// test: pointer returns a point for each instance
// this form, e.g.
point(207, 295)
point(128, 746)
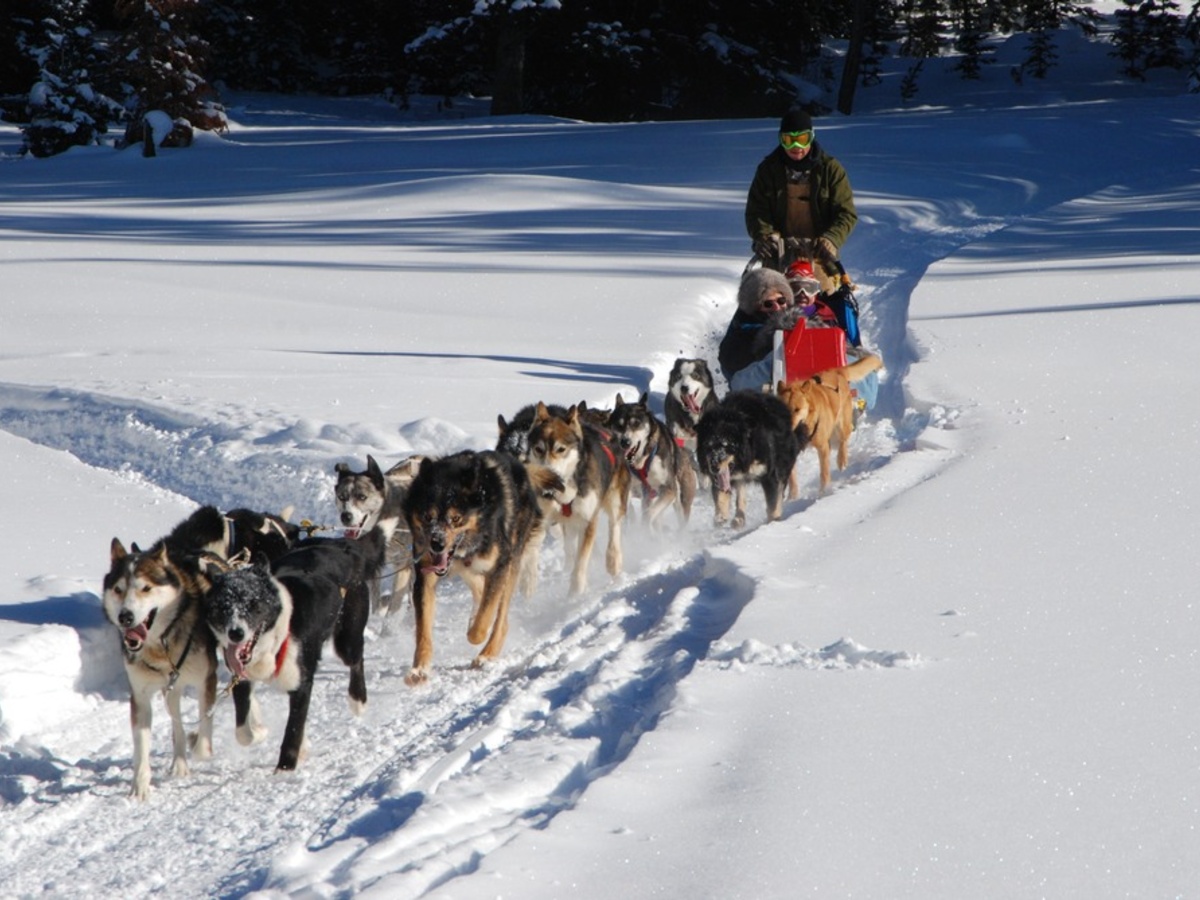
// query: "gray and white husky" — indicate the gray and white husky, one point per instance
point(363, 498)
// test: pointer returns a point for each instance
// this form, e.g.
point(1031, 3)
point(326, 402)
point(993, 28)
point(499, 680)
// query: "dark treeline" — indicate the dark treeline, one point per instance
point(72, 70)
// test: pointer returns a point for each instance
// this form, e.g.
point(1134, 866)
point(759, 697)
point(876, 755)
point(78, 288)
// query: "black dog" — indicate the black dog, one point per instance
point(271, 625)
point(747, 438)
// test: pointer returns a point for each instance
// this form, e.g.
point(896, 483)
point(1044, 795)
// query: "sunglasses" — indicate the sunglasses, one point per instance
point(773, 304)
point(796, 140)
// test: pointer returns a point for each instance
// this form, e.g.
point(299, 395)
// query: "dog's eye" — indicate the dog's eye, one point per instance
point(145, 588)
point(361, 498)
point(454, 520)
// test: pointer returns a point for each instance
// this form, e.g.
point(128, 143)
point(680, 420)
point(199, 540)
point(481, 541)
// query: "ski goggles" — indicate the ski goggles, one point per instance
point(796, 140)
point(810, 287)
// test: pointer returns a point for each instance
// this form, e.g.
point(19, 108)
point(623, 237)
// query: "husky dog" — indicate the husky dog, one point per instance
point(747, 438)
point(663, 467)
point(362, 499)
point(474, 515)
point(584, 459)
point(239, 531)
point(690, 394)
point(271, 624)
point(156, 599)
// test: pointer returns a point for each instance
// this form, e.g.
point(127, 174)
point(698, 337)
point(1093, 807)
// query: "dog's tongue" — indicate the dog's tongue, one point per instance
point(233, 659)
point(352, 533)
point(135, 637)
point(689, 400)
point(723, 480)
point(440, 564)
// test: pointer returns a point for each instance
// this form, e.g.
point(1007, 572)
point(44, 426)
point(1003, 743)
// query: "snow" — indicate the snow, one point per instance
point(965, 671)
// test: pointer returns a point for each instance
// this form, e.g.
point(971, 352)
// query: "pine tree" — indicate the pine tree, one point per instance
point(970, 40)
point(1191, 33)
point(159, 57)
point(66, 108)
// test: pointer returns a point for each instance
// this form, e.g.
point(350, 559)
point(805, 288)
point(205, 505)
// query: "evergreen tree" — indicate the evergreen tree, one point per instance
point(255, 45)
point(1191, 33)
point(967, 17)
point(158, 57)
point(66, 108)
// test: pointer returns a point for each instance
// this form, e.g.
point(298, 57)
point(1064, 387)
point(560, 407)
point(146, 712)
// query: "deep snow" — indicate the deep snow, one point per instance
point(966, 671)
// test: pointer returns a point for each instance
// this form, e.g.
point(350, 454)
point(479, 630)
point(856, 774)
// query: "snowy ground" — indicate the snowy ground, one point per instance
point(965, 672)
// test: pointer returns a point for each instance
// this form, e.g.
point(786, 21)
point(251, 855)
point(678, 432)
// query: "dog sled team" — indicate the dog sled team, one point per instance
point(253, 592)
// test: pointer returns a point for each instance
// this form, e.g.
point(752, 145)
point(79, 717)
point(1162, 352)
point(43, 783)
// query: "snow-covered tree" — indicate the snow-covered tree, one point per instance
point(66, 108)
point(159, 57)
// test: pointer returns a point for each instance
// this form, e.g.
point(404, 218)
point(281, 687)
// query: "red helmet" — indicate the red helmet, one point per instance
point(801, 268)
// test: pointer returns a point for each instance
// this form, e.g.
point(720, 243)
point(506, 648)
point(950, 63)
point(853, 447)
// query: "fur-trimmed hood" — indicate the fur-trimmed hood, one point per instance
point(758, 283)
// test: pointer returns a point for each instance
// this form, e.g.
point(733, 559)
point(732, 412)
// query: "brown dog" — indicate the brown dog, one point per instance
point(822, 409)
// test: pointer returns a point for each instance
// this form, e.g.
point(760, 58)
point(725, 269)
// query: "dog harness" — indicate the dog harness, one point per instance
point(643, 473)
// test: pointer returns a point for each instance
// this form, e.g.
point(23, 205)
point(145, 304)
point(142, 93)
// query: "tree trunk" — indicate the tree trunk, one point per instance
point(508, 87)
point(850, 70)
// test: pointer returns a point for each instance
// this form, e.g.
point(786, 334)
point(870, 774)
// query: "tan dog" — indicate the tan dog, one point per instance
point(822, 409)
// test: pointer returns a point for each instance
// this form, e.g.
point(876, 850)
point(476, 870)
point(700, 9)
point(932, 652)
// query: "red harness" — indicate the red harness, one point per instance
point(281, 655)
point(612, 461)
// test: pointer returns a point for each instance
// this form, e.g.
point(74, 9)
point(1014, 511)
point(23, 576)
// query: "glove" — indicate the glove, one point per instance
point(826, 252)
point(768, 247)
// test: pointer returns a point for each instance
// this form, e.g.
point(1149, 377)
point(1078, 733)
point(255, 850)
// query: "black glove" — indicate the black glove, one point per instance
point(767, 248)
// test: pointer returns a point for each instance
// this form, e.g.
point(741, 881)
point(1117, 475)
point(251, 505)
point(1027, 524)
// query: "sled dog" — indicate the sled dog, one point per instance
point(473, 515)
point(585, 459)
point(661, 466)
point(822, 410)
point(155, 598)
point(362, 499)
point(747, 438)
point(270, 624)
point(690, 394)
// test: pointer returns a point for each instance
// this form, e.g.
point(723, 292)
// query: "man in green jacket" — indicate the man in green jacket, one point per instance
point(799, 192)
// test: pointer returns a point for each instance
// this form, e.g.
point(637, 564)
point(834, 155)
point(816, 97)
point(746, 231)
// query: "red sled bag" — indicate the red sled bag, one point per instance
point(804, 351)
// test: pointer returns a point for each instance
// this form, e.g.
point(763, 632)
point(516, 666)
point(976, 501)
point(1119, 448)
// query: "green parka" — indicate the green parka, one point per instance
point(832, 200)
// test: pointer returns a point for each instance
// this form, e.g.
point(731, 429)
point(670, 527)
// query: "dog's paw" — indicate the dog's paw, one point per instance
point(357, 707)
point(248, 735)
point(180, 768)
point(416, 676)
point(141, 788)
point(200, 745)
point(739, 521)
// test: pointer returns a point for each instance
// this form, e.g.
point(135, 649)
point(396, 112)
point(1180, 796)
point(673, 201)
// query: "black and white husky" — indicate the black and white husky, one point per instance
point(363, 498)
point(690, 394)
point(659, 465)
point(270, 625)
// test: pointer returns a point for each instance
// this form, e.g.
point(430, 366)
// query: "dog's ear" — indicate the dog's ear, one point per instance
point(501, 424)
point(374, 472)
point(541, 414)
point(134, 548)
point(620, 401)
point(116, 550)
point(645, 400)
point(342, 469)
